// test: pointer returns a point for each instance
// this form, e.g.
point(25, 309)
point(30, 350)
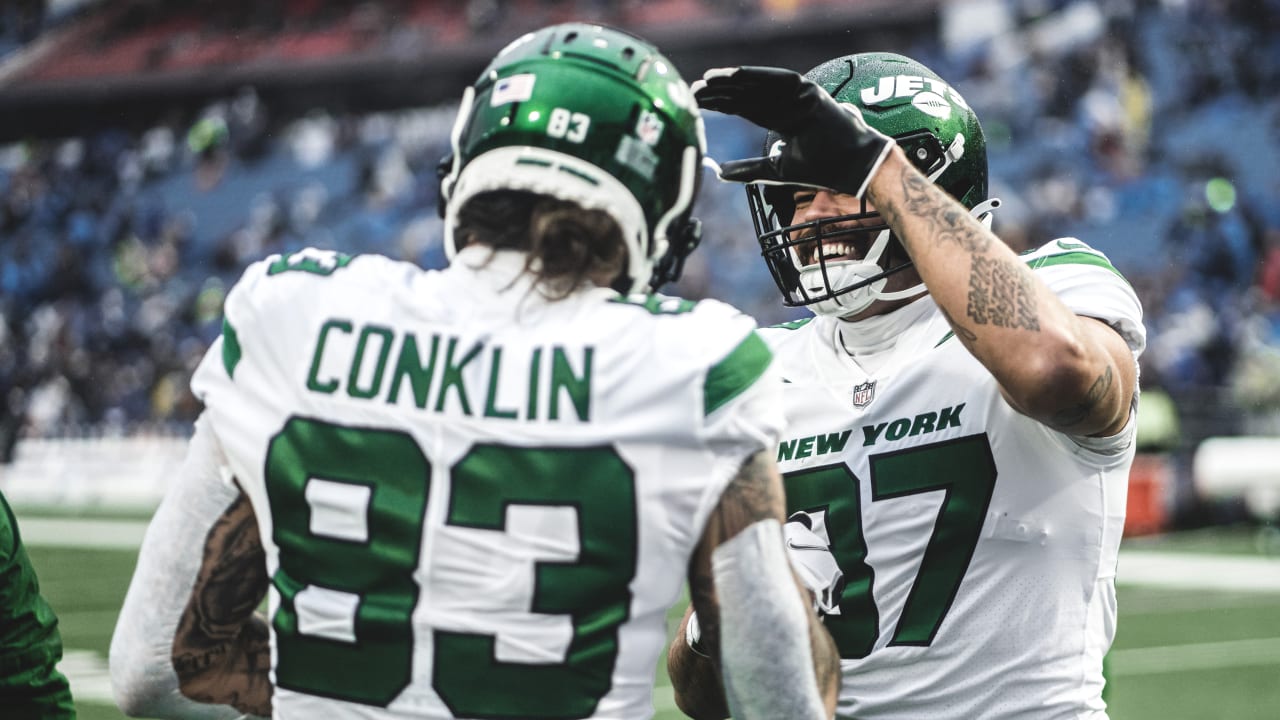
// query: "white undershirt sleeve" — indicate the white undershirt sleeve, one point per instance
point(142, 675)
point(765, 652)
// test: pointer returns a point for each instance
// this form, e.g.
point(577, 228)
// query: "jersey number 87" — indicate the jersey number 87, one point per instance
point(964, 469)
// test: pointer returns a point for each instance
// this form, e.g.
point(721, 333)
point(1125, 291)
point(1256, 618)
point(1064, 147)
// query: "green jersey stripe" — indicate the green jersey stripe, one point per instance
point(793, 324)
point(1073, 258)
point(230, 348)
point(728, 378)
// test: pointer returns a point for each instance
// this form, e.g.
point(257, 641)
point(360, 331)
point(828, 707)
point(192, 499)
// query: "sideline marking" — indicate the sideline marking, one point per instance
point(1190, 571)
point(90, 679)
point(1199, 571)
point(82, 533)
point(1194, 656)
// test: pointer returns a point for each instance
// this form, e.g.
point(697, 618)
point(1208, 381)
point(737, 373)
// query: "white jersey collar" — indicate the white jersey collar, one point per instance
point(489, 276)
point(496, 269)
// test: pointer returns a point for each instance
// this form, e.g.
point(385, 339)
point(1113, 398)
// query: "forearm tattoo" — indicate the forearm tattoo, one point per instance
point(947, 220)
point(1001, 294)
point(221, 651)
point(1068, 418)
point(961, 331)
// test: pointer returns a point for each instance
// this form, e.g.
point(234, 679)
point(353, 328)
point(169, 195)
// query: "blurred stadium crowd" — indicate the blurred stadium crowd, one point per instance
point(1150, 130)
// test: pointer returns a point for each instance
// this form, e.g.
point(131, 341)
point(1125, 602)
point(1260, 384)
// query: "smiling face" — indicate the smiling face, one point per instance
point(846, 229)
point(843, 223)
point(939, 134)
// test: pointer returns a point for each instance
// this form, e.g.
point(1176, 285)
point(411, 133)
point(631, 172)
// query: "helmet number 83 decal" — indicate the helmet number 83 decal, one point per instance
point(563, 124)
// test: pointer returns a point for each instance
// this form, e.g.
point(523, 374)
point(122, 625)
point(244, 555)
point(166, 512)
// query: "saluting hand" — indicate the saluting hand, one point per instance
point(823, 144)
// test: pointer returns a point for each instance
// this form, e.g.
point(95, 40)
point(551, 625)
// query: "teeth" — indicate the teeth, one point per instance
point(832, 250)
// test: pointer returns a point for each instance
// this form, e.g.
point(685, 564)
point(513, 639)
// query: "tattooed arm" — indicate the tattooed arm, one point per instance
point(1072, 373)
point(753, 497)
point(221, 651)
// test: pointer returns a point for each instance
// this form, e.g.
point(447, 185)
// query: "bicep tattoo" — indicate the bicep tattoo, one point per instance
point(221, 651)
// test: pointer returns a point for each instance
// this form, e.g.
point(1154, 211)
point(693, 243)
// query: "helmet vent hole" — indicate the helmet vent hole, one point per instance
point(570, 37)
point(628, 53)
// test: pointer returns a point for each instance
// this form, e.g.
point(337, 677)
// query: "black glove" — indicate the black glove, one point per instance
point(825, 144)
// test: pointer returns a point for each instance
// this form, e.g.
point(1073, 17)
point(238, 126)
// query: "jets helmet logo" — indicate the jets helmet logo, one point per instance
point(931, 103)
point(928, 95)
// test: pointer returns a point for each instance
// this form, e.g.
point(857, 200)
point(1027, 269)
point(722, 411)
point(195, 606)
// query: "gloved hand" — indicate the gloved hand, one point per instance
point(825, 144)
point(811, 558)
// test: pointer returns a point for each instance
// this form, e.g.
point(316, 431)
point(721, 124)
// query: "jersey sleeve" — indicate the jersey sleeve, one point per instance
point(30, 645)
point(250, 375)
point(1086, 281)
point(738, 370)
point(741, 392)
point(216, 373)
point(742, 395)
point(265, 320)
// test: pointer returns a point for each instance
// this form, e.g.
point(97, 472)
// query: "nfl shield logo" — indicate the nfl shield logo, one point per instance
point(863, 394)
point(649, 128)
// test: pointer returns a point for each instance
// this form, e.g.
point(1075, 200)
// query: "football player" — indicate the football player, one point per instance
point(960, 419)
point(31, 687)
point(476, 492)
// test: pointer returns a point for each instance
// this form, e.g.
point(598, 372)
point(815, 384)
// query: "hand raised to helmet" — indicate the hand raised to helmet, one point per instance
point(825, 144)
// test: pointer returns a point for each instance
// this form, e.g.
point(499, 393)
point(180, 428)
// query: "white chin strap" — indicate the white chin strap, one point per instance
point(844, 273)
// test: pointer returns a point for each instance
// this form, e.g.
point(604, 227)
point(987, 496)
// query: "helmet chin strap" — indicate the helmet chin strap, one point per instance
point(845, 273)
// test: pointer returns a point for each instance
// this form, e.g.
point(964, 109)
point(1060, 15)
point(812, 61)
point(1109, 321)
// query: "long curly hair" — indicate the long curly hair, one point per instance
point(567, 246)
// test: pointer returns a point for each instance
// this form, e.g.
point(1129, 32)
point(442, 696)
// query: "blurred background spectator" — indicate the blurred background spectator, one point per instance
point(152, 149)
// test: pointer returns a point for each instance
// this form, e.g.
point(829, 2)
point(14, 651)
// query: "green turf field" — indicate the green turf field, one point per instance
point(1192, 650)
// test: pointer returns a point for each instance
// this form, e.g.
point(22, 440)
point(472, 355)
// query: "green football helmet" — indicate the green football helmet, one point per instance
point(938, 132)
point(590, 115)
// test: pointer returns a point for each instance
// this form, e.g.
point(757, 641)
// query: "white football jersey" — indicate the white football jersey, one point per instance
point(977, 547)
point(475, 503)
